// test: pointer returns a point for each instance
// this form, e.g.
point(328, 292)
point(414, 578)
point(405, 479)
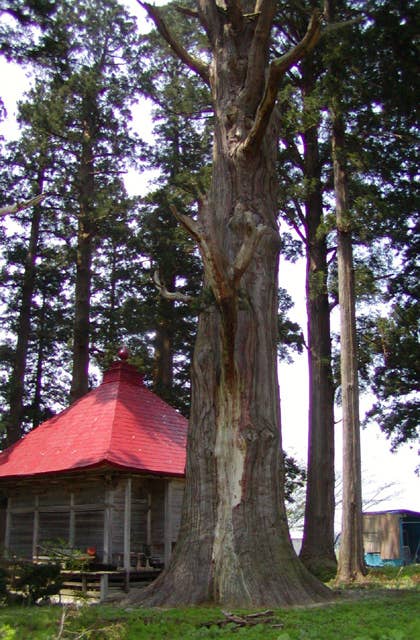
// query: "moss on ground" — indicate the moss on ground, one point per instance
point(385, 607)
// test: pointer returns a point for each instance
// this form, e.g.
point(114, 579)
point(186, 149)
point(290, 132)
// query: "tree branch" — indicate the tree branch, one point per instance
point(278, 69)
point(214, 267)
point(189, 224)
point(234, 11)
point(19, 206)
point(337, 26)
point(302, 219)
point(192, 63)
point(293, 149)
point(263, 17)
point(294, 224)
point(186, 11)
point(210, 18)
point(333, 251)
point(168, 295)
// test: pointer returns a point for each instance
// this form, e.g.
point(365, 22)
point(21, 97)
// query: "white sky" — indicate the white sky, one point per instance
point(379, 466)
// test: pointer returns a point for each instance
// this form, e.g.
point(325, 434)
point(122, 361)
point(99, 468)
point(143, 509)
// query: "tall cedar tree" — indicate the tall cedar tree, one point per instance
point(387, 211)
point(318, 537)
point(34, 254)
point(181, 153)
point(17, 378)
point(86, 54)
point(301, 165)
point(20, 25)
point(233, 546)
point(351, 558)
point(302, 161)
point(26, 169)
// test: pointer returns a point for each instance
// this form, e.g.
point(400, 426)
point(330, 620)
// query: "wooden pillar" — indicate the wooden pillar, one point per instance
point(72, 522)
point(7, 527)
point(127, 524)
point(149, 521)
point(168, 522)
point(107, 541)
point(104, 587)
point(35, 530)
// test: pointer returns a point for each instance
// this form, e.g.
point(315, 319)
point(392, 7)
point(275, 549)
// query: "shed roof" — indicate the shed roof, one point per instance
point(394, 512)
point(120, 423)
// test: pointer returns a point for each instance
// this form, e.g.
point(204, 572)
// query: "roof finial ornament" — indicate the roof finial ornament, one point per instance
point(123, 353)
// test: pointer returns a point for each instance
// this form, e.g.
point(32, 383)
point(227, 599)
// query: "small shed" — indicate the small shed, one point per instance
point(106, 474)
point(391, 537)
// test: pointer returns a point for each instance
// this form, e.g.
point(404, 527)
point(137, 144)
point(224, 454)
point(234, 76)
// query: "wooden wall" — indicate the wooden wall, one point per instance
point(91, 511)
point(381, 534)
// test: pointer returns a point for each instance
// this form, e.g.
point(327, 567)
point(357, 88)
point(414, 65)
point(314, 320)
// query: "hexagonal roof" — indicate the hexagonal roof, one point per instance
point(120, 423)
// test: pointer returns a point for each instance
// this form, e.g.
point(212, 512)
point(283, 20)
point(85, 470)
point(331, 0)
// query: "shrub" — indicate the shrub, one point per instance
point(3, 584)
point(33, 582)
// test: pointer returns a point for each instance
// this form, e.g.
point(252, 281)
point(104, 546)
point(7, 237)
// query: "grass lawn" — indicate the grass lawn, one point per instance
point(369, 613)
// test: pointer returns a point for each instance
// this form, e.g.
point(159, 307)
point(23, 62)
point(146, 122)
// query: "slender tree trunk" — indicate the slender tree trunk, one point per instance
point(85, 233)
point(317, 551)
point(234, 547)
point(81, 328)
point(163, 373)
point(37, 396)
point(351, 564)
point(17, 380)
point(164, 350)
point(112, 331)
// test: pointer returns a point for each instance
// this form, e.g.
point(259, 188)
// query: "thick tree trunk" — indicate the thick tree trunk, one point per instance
point(351, 564)
point(17, 379)
point(234, 547)
point(317, 551)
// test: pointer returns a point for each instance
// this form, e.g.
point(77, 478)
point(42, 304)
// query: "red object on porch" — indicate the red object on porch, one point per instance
point(120, 424)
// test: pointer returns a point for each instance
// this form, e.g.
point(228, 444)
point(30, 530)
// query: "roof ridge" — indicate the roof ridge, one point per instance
point(108, 450)
point(120, 422)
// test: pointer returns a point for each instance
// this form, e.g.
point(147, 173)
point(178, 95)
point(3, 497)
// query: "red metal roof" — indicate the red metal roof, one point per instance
point(120, 423)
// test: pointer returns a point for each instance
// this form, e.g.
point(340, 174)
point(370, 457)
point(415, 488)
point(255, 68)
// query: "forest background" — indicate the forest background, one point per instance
point(380, 466)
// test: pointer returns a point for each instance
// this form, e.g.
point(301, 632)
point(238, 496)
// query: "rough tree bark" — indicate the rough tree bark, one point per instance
point(40, 359)
point(164, 351)
point(233, 547)
point(351, 565)
point(317, 551)
point(17, 379)
point(85, 235)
